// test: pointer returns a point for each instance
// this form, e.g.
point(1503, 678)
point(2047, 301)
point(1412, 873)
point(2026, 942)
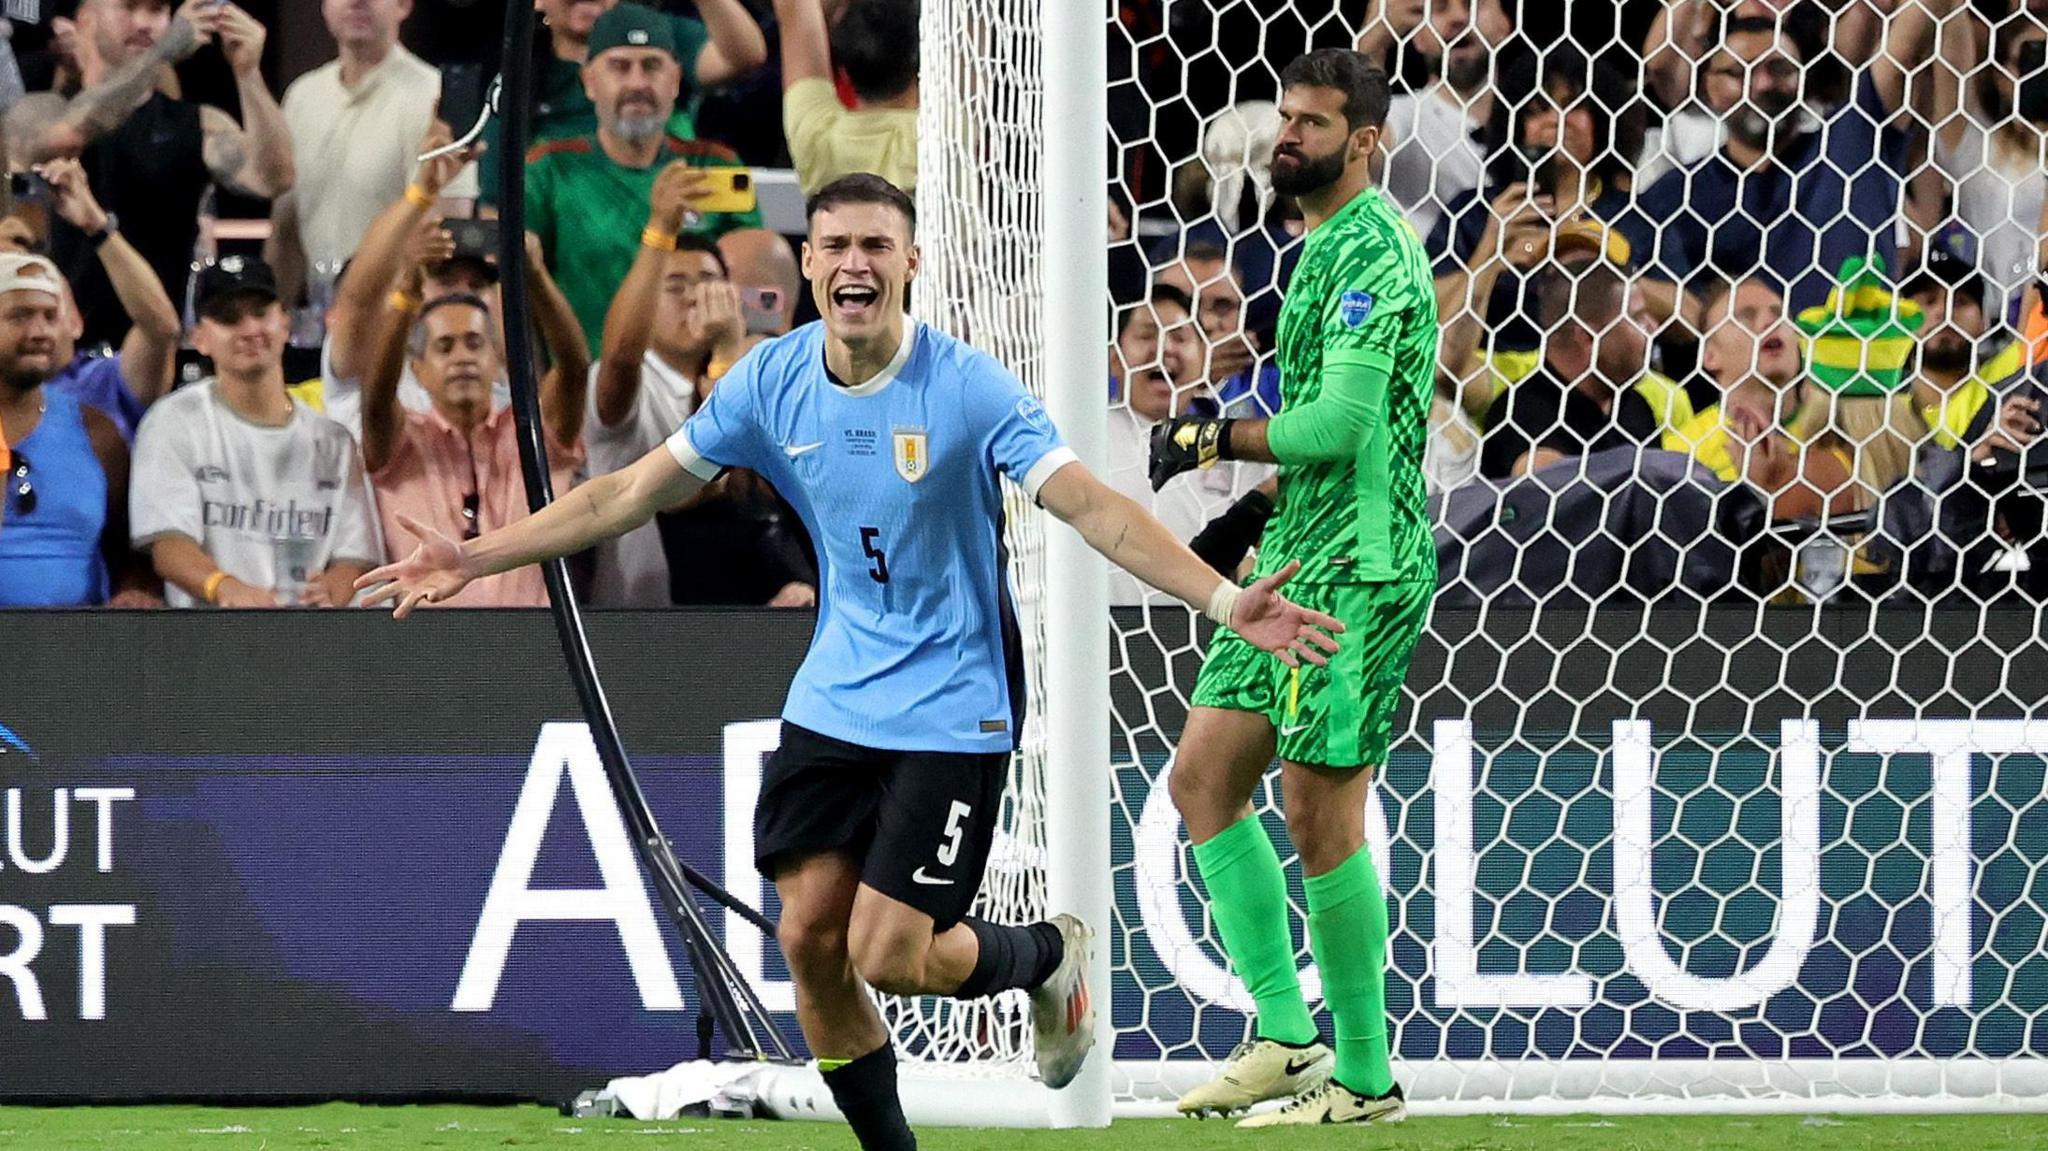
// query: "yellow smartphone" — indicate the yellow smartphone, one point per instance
point(728, 190)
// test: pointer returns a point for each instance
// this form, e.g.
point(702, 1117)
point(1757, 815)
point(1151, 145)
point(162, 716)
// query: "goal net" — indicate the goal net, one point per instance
point(1719, 783)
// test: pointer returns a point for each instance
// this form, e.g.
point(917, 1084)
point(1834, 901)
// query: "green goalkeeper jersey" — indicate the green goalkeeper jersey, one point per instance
point(1361, 295)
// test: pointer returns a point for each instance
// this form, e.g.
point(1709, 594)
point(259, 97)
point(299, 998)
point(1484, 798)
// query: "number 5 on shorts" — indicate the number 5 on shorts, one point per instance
point(950, 849)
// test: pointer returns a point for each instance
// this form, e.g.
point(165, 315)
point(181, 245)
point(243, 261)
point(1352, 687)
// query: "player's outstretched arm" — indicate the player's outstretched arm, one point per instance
point(1131, 538)
point(610, 505)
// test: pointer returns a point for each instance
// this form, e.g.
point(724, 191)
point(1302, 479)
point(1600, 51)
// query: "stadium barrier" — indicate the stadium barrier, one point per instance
point(319, 855)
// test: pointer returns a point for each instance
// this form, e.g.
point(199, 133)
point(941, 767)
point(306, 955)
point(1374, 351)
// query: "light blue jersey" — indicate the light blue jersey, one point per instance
point(916, 647)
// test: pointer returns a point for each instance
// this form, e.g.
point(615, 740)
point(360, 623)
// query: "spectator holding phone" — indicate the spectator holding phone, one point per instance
point(150, 157)
point(1990, 108)
point(409, 258)
point(673, 330)
point(585, 197)
point(724, 44)
point(122, 385)
point(453, 470)
point(353, 123)
point(763, 267)
point(875, 43)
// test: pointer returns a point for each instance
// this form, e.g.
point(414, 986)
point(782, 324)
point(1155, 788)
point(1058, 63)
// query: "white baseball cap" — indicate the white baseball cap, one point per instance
point(24, 273)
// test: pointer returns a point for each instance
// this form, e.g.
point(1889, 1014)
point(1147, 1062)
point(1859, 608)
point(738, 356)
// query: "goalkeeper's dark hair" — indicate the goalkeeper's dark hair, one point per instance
point(1161, 294)
point(1364, 83)
point(861, 188)
point(875, 43)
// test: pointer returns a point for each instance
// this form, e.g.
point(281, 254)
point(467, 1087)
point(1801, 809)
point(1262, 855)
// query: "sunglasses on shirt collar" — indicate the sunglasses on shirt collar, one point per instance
point(19, 485)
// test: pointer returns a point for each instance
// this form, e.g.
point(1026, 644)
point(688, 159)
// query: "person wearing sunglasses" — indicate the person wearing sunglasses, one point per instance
point(64, 502)
point(245, 496)
point(455, 466)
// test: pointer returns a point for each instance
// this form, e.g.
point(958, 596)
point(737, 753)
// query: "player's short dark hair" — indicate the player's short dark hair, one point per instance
point(1364, 83)
point(692, 242)
point(861, 188)
point(875, 44)
point(1161, 294)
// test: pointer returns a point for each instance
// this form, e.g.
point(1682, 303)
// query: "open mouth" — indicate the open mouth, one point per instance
point(852, 300)
point(1774, 344)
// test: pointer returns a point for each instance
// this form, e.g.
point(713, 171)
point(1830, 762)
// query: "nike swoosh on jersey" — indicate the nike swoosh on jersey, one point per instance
point(795, 450)
point(919, 876)
point(1295, 729)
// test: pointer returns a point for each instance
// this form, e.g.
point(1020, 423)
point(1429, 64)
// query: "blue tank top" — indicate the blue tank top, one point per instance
point(50, 557)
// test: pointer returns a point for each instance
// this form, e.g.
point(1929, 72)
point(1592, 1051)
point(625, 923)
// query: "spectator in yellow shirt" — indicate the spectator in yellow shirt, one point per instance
point(875, 42)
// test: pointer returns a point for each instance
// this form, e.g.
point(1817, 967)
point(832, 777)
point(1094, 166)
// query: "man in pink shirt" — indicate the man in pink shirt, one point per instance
point(455, 467)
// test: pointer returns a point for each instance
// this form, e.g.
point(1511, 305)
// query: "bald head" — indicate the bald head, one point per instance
point(757, 258)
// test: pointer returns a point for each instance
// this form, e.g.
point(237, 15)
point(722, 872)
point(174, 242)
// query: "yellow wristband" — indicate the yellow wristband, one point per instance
point(716, 369)
point(211, 589)
point(418, 197)
point(658, 240)
point(401, 300)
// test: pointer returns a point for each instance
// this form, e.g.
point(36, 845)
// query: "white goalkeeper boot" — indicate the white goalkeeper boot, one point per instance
point(1062, 1018)
point(1258, 1070)
point(1335, 1103)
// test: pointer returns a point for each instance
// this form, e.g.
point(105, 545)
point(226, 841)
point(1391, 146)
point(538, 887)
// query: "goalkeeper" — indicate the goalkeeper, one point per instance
point(1357, 347)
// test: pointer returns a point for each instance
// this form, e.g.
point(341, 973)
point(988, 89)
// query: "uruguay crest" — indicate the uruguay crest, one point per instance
point(913, 454)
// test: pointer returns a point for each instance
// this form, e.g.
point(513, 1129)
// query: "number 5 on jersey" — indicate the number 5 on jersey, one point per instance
point(879, 571)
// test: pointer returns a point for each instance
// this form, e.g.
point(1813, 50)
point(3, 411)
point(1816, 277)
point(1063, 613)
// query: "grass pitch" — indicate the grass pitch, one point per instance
point(344, 1127)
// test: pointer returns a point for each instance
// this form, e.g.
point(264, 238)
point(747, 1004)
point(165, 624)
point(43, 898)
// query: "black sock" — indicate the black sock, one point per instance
point(1011, 957)
point(865, 1090)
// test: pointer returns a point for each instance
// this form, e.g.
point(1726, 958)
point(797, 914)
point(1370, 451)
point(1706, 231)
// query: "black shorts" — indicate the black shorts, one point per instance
point(920, 822)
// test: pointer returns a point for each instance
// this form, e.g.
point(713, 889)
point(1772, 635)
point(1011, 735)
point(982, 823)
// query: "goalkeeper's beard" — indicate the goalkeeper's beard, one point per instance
point(1306, 174)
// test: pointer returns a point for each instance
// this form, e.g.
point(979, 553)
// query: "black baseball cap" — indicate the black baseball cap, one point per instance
point(232, 278)
point(1944, 267)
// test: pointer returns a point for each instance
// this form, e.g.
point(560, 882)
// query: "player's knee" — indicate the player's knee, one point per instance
point(1324, 837)
point(891, 962)
point(1201, 797)
point(813, 948)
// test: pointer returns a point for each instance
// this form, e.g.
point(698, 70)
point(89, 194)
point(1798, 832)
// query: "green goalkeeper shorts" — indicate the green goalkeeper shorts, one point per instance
point(1341, 715)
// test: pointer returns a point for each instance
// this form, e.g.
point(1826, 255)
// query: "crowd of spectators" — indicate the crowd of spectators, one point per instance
point(1782, 252)
point(1792, 245)
point(189, 422)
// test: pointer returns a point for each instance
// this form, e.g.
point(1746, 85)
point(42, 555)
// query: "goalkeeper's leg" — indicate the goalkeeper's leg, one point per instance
point(1334, 736)
point(1224, 751)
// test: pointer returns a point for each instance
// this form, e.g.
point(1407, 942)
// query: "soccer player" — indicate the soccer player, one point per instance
point(1358, 343)
point(877, 812)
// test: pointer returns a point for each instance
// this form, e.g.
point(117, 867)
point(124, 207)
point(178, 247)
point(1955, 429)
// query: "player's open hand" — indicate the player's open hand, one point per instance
point(433, 573)
point(1270, 621)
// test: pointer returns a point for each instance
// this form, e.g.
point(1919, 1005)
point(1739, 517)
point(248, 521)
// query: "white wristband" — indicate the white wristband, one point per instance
point(1221, 601)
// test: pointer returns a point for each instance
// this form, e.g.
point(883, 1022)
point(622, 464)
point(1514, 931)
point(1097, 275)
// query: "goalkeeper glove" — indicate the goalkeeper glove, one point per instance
point(1185, 443)
point(1223, 542)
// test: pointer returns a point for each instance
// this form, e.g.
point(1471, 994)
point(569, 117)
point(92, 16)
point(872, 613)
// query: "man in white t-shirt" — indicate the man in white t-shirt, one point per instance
point(1432, 136)
point(243, 496)
point(674, 328)
point(1157, 364)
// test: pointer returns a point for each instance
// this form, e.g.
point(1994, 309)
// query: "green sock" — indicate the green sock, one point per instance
point(1248, 900)
point(1347, 931)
